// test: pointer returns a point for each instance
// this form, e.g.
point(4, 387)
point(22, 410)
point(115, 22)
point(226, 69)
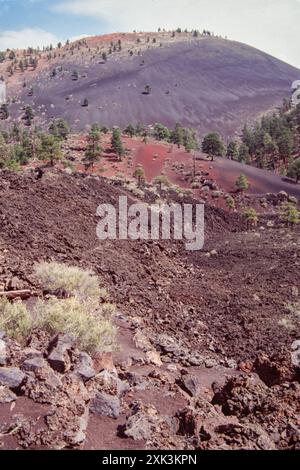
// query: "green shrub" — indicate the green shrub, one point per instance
point(251, 215)
point(15, 320)
point(289, 213)
point(91, 329)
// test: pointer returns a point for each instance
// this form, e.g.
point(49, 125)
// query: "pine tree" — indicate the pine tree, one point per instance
point(129, 130)
point(50, 148)
point(178, 135)
point(212, 145)
point(93, 151)
point(189, 140)
point(232, 150)
point(29, 115)
point(294, 169)
point(4, 152)
point(139, 174)
point(242, 183)
point(116, 143)
point(161, 180)
point(4, 113)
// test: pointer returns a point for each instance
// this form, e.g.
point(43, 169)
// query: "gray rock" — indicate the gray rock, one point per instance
point(210, 363)
point(110, 383)
point(167, 344)
point(103, 404)
point(231, 363)
point(282, 195)
point(12, 377)
point(58, 357)
point(295, 345)
point(142, 423)
point(191, 384)
point(34, 364)
point(79, 435)
point(295, 358)
point(293, 199)
point(196, 360)
point(30, 353)
point(84, 367)
point(6, 395)
point(3, 353)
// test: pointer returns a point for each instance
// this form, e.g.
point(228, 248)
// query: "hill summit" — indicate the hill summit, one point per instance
point(204, 82)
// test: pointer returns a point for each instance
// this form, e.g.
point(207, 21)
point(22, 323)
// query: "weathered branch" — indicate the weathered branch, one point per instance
point(13, 294)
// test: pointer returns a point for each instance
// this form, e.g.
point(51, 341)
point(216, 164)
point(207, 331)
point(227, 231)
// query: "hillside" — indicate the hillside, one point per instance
point(207, 83)
point(190, 363)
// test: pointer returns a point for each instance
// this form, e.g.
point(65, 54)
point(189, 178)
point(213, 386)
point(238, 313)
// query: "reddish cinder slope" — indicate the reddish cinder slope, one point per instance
point(158, 158)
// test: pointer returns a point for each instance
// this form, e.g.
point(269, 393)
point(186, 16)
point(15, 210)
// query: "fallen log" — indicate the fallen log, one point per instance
point(14, 294)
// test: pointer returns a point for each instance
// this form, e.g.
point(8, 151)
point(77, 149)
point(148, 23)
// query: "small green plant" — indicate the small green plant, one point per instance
point(242, 183)
point(161, 181)
point(139, 174)
point(230, 203)
point(251, 216)
point(15, 320)
point(290, 214)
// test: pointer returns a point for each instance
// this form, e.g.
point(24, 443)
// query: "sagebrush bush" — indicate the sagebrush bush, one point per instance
point(70, 280)
point(91, 329)
point(79, 314)
point(15, 320)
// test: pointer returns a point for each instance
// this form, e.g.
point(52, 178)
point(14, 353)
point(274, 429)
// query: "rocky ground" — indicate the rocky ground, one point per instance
point(208, 342)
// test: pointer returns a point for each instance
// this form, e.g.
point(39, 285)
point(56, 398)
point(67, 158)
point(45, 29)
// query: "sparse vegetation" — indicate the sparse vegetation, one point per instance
point(68, 280)
point(230, 203)
point(242, 183)
point(251, 216)
point(294, 169)
point(93, 151)
point(116, 143)
point(212, 145)
point(161, 181)
point(15, 320)
point(93, 332)
point(290, 214)
point(50, 148)
point(139, 174)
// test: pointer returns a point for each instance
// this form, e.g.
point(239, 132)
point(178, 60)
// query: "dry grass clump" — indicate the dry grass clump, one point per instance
point(291, 321)
point(15, 320)
point(92, 330)
point(78, 314)
point(69, 280)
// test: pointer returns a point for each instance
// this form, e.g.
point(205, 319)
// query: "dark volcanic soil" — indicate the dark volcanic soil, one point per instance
point(240, 292)
point(222, 320)
point(208, 84)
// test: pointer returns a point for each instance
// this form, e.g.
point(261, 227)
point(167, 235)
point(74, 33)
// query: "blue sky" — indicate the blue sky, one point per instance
point(270, 25)
point(17, 15)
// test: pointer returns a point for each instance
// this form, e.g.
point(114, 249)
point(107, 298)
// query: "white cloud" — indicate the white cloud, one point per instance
point(77, 38)
point(270, 25)
point(29, 37)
